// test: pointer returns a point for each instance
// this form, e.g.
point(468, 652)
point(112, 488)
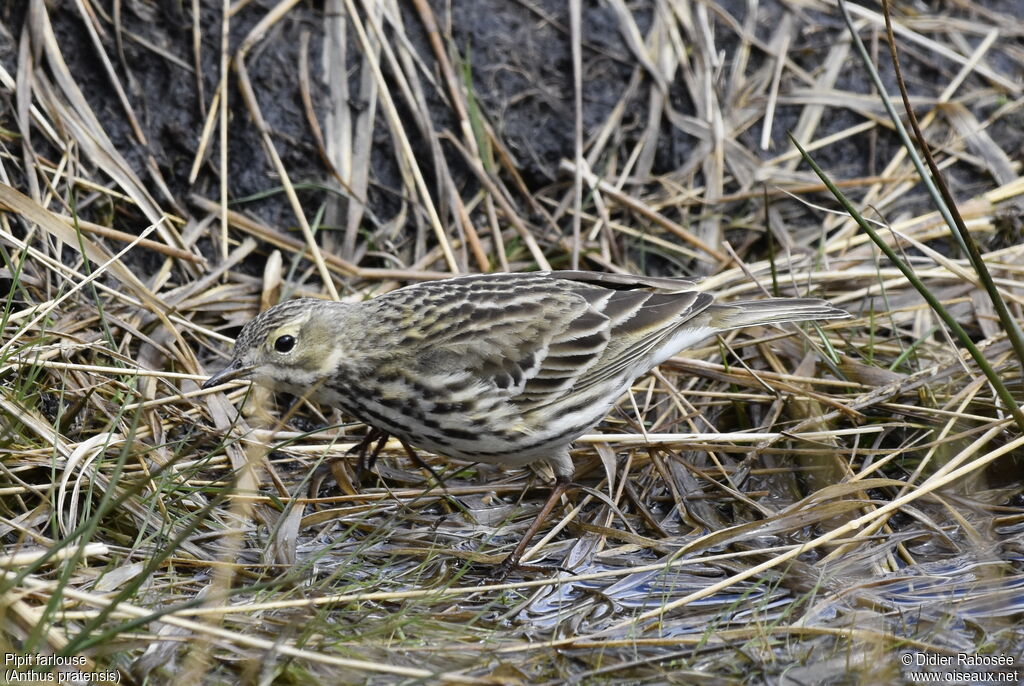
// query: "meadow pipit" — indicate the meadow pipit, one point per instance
point(501, 368)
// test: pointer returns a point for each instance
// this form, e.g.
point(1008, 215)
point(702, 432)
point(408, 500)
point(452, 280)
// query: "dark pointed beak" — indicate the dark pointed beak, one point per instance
point(235, 370)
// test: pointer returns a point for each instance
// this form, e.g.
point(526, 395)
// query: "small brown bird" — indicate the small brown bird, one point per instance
point(507, 369)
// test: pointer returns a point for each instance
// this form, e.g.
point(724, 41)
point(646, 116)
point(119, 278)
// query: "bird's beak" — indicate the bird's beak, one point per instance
point(235, 370)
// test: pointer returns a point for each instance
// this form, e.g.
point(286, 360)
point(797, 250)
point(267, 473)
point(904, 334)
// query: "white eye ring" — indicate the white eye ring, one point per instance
point(284, 344)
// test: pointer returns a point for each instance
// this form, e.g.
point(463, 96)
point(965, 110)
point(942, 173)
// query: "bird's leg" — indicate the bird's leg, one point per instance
point(366, 464)
point(418, 461)
point(512, 561)
point(332, 466)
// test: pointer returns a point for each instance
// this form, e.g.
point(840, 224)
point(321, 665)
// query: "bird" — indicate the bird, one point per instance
point(501, 368)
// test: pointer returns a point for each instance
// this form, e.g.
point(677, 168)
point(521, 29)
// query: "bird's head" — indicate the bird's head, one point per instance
point(290, 346)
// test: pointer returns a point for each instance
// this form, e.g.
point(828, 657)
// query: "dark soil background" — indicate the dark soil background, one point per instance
point(517, 55)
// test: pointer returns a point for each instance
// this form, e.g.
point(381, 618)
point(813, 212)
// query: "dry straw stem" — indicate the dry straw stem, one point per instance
point(127, 610)
point(772, 495)
point(256, 34)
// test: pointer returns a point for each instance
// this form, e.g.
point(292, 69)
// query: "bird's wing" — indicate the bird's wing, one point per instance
point(534, 338)
point(640, 323)
point(503, 334)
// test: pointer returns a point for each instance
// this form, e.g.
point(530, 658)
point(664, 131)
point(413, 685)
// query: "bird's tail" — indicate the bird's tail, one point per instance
point(771, 311)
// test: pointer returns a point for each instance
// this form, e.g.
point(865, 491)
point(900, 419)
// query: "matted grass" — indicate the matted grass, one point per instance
point(812, 504)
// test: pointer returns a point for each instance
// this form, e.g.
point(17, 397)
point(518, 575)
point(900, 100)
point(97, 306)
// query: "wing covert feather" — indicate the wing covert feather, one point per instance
point(535, 338)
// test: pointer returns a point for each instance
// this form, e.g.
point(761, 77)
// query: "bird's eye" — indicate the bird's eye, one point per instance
point(284, 344)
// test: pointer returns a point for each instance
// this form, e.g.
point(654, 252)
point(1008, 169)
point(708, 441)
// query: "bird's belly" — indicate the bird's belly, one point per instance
point(445, 428)
point(482, 428)
point(492, 432)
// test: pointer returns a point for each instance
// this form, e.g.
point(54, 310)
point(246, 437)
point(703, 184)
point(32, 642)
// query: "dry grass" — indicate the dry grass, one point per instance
point(795, 506)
